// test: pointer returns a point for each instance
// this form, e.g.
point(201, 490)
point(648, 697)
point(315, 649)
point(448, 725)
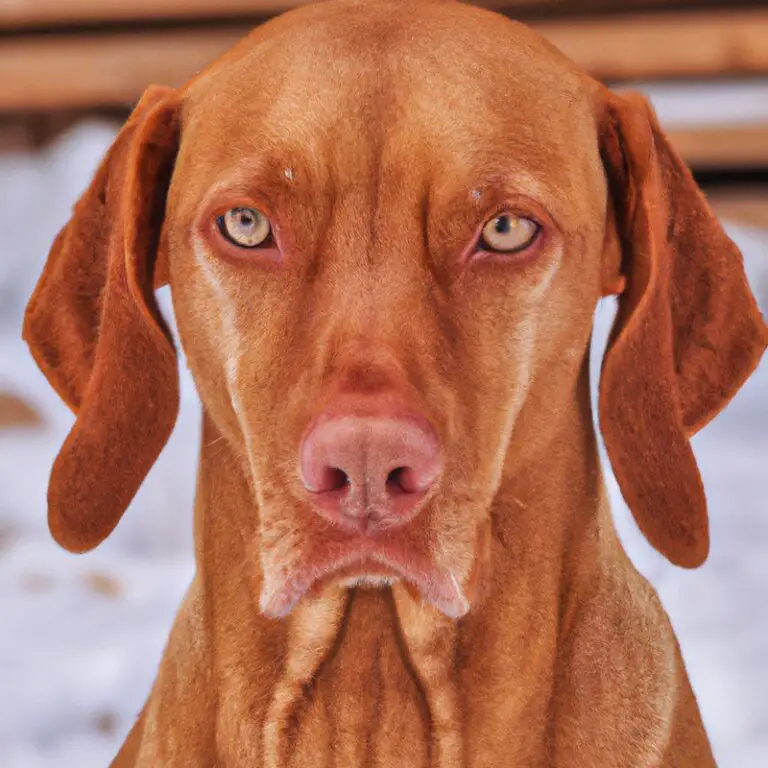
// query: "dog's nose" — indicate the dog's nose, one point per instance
point(367, 473)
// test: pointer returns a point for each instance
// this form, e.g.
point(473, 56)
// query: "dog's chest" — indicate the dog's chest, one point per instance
point(367, 705)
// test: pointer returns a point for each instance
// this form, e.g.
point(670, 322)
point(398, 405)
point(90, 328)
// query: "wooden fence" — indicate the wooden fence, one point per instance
point(60, 57)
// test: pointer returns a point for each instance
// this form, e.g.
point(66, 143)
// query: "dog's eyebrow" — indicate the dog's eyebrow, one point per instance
point(262, 170)
point(268, 179)
point(500, 184)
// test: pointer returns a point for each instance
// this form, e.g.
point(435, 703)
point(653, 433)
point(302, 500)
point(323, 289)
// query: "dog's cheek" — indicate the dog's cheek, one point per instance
point(205, 320)
point(267, 376)
point(521, 326)
point(502, 366)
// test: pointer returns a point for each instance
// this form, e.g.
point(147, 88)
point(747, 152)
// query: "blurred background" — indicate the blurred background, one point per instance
point(81, 636)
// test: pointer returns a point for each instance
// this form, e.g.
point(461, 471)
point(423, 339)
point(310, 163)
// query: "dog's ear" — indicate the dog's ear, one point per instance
point(95, 330)
point(687, 335)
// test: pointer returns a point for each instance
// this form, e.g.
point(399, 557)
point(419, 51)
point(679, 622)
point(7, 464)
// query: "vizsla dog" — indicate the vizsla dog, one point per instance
point(386, 226)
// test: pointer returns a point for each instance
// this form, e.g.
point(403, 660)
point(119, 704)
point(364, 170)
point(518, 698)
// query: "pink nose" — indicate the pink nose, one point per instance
point(369, 472)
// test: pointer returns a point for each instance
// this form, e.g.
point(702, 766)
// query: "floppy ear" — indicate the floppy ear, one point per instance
point(95, 330)
point(687, 335)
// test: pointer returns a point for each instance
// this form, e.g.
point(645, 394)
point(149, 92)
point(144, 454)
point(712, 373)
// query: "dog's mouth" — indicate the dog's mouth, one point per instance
point(367, 563)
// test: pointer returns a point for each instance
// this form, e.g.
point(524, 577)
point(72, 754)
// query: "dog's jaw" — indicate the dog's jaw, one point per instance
point(369, 564)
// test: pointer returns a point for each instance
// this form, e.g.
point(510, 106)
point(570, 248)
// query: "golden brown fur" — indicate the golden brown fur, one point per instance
point(378, 136)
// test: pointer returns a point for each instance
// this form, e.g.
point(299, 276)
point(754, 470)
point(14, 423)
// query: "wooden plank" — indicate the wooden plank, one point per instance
point(666, 45)
point(722, 146)
point(742, 206)
point(89, 70)
point(79, 71)
point(15, 14)
point(26, 13)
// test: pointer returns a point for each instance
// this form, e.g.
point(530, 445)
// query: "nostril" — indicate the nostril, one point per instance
point(329, 479)
point(407, 480)
point(337, 479)
point(397, 481)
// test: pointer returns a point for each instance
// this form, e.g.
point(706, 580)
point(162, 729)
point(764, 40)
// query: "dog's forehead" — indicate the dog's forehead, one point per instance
point(356, 79)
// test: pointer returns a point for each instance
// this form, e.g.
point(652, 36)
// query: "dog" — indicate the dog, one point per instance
point(386, 227)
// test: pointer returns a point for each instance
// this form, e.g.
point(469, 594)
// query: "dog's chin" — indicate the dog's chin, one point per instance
point(367, 580)
point(369, 565)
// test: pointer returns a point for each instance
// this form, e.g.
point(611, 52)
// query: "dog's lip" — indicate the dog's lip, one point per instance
point(364, 557)
point(365, 574)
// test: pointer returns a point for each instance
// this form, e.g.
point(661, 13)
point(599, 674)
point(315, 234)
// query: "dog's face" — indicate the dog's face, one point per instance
point(385, 235)
point(428, 253)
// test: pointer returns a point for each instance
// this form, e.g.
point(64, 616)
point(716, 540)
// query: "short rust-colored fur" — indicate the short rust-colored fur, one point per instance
point(378, 137)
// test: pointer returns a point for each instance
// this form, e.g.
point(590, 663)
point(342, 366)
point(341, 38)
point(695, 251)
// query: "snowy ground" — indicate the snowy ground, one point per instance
point(80, 637)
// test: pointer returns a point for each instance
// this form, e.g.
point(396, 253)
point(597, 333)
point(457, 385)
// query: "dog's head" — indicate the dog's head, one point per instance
point(386, 228)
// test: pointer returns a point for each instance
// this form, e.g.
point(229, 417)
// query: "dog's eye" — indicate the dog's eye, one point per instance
point(508, 233)
point(245, 227)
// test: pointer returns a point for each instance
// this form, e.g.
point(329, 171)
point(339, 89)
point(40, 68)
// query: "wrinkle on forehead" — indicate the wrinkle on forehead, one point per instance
point(361, 91)
point(335, 57)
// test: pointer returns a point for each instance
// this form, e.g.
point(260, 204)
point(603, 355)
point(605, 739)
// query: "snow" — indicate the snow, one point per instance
point(81, 636)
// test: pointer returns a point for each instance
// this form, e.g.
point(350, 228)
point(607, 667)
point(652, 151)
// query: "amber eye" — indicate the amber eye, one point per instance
point(508, 233)
point(245, 227)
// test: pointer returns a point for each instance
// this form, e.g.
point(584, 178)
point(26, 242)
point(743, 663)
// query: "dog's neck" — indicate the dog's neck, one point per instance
point(356, 672)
